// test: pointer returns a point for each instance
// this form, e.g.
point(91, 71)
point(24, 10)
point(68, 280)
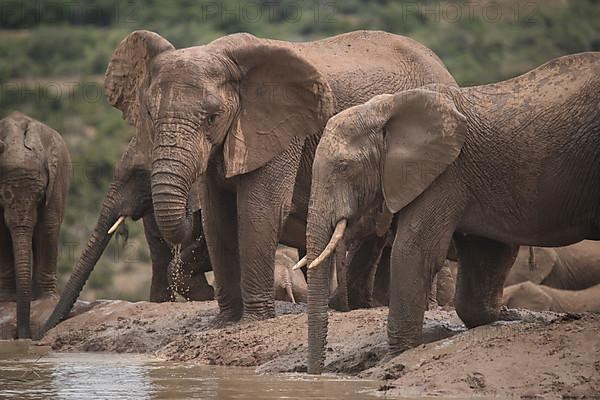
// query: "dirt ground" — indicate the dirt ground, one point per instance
point(545, 354)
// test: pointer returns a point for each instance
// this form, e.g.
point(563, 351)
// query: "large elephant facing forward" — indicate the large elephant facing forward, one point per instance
point(247, 113)
point(493, 166)
point(34, 181)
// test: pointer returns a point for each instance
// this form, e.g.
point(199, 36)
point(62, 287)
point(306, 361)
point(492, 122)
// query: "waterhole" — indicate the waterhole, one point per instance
point(118, 376)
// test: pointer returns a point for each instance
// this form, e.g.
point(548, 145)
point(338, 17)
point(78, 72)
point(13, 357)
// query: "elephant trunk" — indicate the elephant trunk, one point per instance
point(175, 166)
point(21, 237)
point(322, 241)
point(318, 297)
point(87, 261)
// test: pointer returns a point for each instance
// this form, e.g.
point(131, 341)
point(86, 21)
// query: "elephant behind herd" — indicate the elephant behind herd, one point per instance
point(331, 146)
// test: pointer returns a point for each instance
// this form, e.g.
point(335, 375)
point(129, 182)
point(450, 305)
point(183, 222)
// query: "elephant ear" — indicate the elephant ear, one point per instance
point(423, 136)
point(128, 69)
point(282, 97)
point(44, 148)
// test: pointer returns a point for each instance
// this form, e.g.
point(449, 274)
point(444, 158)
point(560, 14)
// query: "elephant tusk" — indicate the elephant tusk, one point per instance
point(116, 225)
point(300, 263)
point(338, 234)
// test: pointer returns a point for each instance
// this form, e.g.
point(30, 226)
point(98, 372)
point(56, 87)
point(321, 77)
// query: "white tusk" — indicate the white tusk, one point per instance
point(338, 234)
point(300, 263)
point(116, 224)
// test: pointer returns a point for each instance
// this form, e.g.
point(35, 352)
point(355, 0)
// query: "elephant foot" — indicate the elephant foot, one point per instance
point(404, 334)
point(397, 348)
point(474, 318)
point(253, 316)
point(223, 319)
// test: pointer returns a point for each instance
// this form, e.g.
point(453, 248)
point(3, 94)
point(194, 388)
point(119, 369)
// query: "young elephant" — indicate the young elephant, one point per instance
point(289, 284)
point(501, 165)
point(129, 195)
point(534, 297)
point(572, 267)
point(34, 181)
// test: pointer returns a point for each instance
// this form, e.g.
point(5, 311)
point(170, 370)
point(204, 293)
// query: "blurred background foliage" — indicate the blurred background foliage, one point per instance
point(53, 55)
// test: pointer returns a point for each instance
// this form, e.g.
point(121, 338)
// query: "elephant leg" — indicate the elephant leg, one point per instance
point(381, 287)
point(362, 268)
point(22, 238)
point(423, 233)
point(483, 267)
point(7, 265)
point(45, 254)
point(195, 262)
point(264, 201)
point(160, 253)
point(219, 221)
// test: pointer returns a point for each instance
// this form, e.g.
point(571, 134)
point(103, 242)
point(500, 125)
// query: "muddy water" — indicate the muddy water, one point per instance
point(116, 376)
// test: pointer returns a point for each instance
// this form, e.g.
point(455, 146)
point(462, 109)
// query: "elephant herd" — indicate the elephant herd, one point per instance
point(360, 150)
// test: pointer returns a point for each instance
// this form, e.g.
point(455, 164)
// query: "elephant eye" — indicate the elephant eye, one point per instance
point(211, 119)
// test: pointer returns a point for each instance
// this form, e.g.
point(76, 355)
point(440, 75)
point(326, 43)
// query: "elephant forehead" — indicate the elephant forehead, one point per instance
point(187, 65)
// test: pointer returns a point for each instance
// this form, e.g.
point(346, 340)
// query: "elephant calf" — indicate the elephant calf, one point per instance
point(34, 181)
point(573, 267)
point(288, 284)
point(534, 297)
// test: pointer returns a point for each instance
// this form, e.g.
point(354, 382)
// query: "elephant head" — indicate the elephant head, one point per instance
point(128, 195)
point(239, 99)
point(380, 154)
point(29, 169)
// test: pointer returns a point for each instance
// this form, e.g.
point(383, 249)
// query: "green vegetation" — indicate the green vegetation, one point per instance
point(53, 56)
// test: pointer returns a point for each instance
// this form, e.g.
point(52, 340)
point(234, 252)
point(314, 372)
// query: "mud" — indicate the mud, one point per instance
point(544, 354)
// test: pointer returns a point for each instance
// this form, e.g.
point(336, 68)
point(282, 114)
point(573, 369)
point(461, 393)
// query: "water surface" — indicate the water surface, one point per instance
point(123, 376)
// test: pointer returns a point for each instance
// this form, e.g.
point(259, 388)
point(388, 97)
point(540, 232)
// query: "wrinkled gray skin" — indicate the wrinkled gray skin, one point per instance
point(129, 195)
point(34, 181)
point(502, 165)
point(572, 267)
point(535, 297)
point(247, 113)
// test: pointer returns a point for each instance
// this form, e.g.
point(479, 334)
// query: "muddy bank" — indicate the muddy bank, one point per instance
point(544, 354)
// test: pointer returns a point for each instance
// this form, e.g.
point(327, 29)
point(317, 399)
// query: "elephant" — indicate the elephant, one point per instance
point(246, 114)
point(536, 297)
point(289, 285)
point(572, 267)
point(34, 180)
point(492, 167)
point(129, 195)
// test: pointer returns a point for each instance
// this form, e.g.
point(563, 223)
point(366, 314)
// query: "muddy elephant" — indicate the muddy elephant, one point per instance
point(536, 297)
point(129, 195)
point(571, 267)
point(34, 180)
point(494, 166)
point(247, 113)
